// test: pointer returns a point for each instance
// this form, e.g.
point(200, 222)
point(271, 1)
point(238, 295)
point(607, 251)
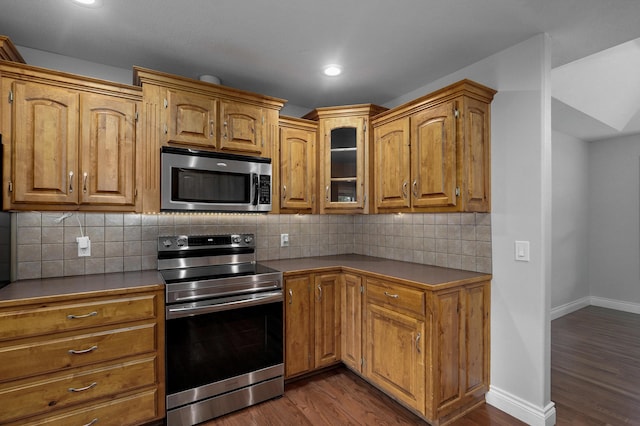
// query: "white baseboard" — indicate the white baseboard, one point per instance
point(567, 308)
point(521, 409)
point(618, 305)
point(602, 302)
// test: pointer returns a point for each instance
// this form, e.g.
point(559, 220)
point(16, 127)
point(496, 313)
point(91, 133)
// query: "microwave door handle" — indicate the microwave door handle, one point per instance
point(256, 189)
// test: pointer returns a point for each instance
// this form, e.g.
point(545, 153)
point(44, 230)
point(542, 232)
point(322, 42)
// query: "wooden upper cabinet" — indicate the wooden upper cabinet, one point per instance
point(449, 152)
point(108, 150)
point(242, 128)
point(190, 119)
point(69, 142)
point(392, 166)
point(44, 141)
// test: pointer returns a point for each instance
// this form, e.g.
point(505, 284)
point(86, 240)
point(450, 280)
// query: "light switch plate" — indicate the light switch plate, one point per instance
point(284, 240)
point(522, 251)
point(84, 246)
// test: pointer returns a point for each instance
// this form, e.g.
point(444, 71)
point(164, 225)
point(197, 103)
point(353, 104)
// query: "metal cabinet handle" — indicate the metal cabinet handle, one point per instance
point(326, 193)
point(393, 296)
point(85, 351)
point(166, 129)
point(320, 294)
point(404, 189)
point(225, 128)
point(94, 384)
point(84, 182)
point(211, 128)
point(71, 181)
point(290, 296)
point(415, 188)
point(418, 342)
point(90, 314)
point(284, 192)
point(92, 422)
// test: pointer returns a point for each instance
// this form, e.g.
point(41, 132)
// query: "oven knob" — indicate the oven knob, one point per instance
point(248, 239)
point(181, 242)
point(236, 239)
point(167, 243)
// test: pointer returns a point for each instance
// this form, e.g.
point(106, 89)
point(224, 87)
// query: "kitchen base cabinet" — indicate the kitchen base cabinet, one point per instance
point(312, 322)
point(75, 359)
point(351, 324)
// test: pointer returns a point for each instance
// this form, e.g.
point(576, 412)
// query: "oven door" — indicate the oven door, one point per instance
point(214, 347)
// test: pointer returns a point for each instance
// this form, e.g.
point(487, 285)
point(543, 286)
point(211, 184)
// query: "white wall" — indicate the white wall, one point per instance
point(521, 210)
point(569, 265)
point(614, 217)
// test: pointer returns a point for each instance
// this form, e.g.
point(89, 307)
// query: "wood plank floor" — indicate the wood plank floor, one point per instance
point(595, 367)
point(595, 380)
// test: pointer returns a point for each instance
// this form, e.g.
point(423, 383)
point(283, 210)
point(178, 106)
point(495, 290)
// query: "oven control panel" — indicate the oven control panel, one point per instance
point(192, 242)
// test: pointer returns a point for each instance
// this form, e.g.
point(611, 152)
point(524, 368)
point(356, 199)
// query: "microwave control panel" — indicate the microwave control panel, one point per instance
point(265, 189)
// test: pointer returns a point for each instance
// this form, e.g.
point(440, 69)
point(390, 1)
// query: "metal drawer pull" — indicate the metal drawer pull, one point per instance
point(90, 314)
point(85, 351)
point(290, 296)
point(84, 182)
point(84, 388)
point(320, 295)
point(92, 422)
point(394, 296)
point(71, 181)
point(415, 188)
point(404, 189)
point(418, 342)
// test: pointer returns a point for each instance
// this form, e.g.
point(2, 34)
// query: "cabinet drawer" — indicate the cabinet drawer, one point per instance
point(130, 410)
point(53, 393)
point(72, 316)
point(74, 351)
point(399, 297)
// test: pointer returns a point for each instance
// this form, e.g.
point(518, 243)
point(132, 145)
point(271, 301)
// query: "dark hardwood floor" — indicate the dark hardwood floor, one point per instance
point(595, 367)
point(595, 380)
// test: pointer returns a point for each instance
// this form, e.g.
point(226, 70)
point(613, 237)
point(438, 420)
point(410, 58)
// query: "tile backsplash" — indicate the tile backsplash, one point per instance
point(45, 243)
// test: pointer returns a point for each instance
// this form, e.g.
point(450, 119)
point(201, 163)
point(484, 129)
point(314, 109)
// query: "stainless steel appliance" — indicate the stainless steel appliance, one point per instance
point(194, 180)
point(224, 326)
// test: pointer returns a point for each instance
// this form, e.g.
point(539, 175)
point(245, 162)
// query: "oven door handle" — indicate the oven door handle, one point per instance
point(201, 308)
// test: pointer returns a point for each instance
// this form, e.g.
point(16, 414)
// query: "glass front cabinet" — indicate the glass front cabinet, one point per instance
point(343, 157)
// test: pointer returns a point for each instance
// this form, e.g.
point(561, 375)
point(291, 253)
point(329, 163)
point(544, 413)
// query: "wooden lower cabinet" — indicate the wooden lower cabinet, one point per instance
point(312, 322)
point(75, 359)
point(351, 323)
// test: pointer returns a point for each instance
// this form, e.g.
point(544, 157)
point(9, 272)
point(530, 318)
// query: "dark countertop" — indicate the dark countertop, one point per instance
point(46, 289)
point(413, 273)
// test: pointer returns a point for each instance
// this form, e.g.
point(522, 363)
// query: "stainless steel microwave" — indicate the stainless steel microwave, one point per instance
point(205, 181)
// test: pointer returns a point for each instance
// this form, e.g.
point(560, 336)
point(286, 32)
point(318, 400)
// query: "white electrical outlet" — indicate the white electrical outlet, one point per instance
point(284, 240)
point(84, 246)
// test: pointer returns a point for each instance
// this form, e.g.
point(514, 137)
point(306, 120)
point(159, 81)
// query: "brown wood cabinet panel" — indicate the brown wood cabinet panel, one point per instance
point(107, 150)
point(434, 157)
point(327, 319)
point(299, 330)
point(190, 119)
point(351, 324)
point(242, 127)
point(449, 331)
point(129, 410)
point(22, 323)
point(392, 173)
point(297, 166)
point(32, 398)
point(396, 296)
point(477, 149)
point(44, 143)
point(30, 358)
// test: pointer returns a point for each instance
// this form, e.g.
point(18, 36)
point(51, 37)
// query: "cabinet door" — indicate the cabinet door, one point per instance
point(327, 319)
point(477, 148)
point(394, 358)
point(108, 154)
point(433, 157)
point(242, 128)
point(297, 168)
point(190, 119)
point(343, 167)
point(351, 313)
point(45, 144)
point(392, 164)
point(298, 325)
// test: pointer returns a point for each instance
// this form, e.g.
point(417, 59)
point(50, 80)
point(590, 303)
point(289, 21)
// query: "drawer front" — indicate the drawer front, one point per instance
point(130, 410)
point(42, 396)
point(75, 351)
point(396, 296)
point(28, 322)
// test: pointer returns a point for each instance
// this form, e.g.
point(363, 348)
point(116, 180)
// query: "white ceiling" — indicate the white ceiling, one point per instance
point(387, 48)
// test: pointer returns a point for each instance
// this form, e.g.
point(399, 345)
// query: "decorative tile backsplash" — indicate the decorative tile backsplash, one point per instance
point(46, 241)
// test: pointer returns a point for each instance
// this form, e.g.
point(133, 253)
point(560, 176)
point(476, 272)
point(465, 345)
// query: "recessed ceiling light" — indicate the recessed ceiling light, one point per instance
point(332, 70)
point(88, 3)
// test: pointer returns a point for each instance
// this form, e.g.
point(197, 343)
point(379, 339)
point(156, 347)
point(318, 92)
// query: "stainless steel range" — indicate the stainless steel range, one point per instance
point(224, 329)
